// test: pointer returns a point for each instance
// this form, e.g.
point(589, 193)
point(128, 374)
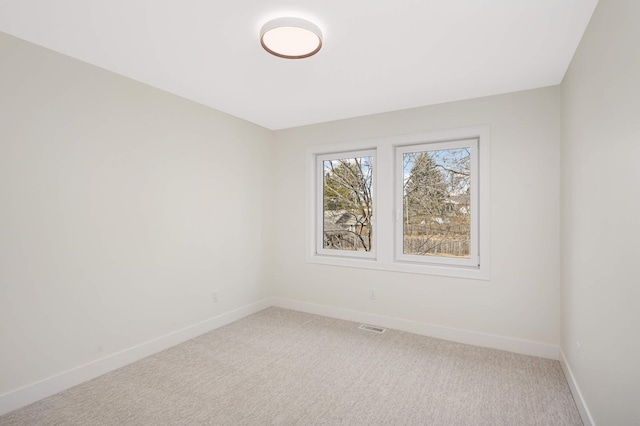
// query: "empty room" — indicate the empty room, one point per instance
point(319, 213)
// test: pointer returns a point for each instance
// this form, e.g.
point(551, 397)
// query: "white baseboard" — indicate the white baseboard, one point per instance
point(575, 391)
point(510, 344)
point(31, 393)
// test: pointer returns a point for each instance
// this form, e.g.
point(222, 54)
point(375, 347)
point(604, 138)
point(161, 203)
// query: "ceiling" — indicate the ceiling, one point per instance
point(378, 55)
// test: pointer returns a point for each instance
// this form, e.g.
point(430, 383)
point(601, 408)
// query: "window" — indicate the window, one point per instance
point(413, 203)
point(437, 196)
point(345, 204)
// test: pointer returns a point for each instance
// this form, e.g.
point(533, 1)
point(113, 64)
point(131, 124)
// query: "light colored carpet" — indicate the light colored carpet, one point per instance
point(281, 367)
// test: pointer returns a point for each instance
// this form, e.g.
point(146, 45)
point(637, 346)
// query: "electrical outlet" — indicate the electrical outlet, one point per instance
point(214, 296)
point(372, 294)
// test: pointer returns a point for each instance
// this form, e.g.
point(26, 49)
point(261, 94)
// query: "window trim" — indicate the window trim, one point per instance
point(385, 211)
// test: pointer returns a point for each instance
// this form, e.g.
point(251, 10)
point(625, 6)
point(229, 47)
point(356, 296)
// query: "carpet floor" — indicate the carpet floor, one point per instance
point(281, 367)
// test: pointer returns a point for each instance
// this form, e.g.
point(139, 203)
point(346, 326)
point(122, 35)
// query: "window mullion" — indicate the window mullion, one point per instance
point(385, 204)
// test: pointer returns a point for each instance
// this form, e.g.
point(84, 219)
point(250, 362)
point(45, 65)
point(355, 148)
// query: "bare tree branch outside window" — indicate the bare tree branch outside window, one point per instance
point(437, 203)
point(348, 204)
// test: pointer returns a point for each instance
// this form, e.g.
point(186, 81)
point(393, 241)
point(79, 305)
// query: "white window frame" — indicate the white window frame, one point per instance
point(386, 213)
point(319, 190)
point(473, 260)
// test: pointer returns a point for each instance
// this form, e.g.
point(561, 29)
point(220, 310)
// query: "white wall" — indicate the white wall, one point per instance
point(107, 241)
point(601, 213)
point(522, 298)
point(120, 213)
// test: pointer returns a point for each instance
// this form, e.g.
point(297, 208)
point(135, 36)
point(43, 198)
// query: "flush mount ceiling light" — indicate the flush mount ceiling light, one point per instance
point(291, 38)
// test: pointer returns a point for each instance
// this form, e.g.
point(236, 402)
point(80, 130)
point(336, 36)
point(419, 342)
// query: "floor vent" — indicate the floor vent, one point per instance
point(373, 328)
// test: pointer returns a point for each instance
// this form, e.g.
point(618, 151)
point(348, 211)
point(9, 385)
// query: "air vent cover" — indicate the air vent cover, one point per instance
point(373, 328)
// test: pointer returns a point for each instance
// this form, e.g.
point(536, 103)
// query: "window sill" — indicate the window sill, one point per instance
point(475, 273)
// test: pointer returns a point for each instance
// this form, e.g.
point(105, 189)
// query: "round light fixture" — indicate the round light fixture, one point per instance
point(291, 38)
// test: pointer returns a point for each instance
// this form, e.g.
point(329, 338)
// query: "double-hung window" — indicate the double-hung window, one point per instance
point(414, 203)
